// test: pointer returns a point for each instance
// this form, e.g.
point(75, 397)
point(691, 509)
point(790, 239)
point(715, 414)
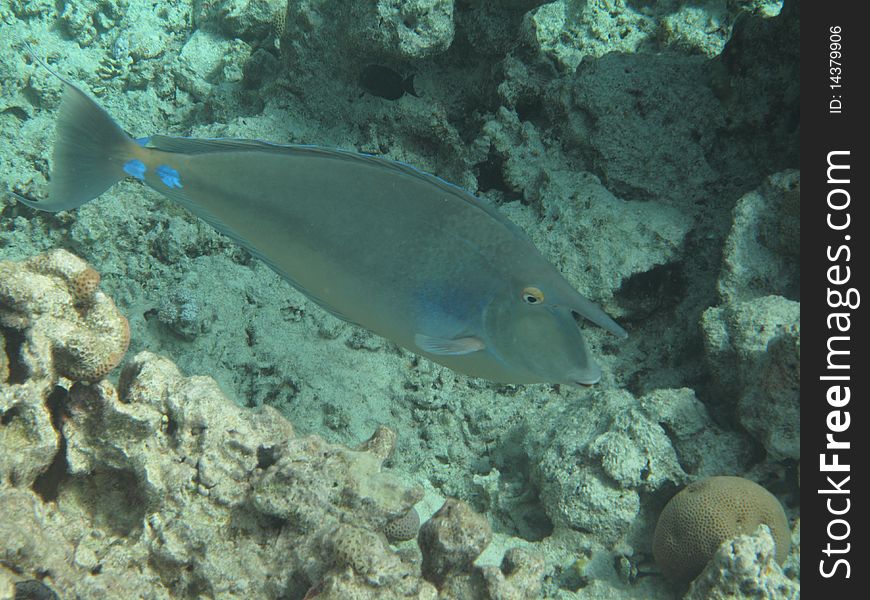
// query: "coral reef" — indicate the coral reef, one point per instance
point(409, 30)
point(4, 361)
point(635, 125)
point(246, 19)
point(452, 539)
point(157, 463)
point(760, 341)
point(412, 29)
point(519, 577)
point(164, 474)
point(568, 31)
point(582, 215)
point(53, 300)
point(592, 465)
point(183, 312)
point(647, 149)
point(761, 254)
point(703, 447)
point(705, 514)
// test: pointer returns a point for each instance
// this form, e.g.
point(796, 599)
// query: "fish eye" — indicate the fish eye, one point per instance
point(532, 295)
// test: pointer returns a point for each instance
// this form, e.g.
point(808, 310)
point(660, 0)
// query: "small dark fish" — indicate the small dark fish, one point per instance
point(386, 83)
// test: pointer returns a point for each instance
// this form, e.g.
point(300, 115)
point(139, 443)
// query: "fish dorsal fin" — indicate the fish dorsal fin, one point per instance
point(205, 146)
point(185, 145)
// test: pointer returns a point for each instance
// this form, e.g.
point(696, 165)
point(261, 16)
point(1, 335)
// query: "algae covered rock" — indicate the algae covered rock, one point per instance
point(4, 361)
point(592, 464)
point(745, 568)
point(28, 441)
point(753, 348)
point(409, 29)
point(452, 539)
point(752, 339)
point(568, 31)
point(762, 253)
point(246, 19)
point(519, 577)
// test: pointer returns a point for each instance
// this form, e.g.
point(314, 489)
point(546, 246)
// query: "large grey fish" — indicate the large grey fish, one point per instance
point(373, 241)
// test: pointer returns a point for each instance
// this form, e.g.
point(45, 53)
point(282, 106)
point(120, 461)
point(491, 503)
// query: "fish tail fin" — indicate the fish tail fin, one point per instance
point(408, 85)
point(89, 152)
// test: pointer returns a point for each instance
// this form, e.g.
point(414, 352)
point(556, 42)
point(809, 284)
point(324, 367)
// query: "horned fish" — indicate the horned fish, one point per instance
point(373, 241)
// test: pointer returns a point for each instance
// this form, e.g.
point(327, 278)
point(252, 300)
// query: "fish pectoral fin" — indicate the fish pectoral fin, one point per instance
point(448, 347)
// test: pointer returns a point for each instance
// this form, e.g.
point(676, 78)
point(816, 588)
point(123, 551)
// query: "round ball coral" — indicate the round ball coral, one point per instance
point(403, 527)
point(709, 512)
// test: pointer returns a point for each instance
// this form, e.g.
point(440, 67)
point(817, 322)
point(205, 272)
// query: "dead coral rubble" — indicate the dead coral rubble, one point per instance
point(745, 568)
point(454, 538)
point(167, 472)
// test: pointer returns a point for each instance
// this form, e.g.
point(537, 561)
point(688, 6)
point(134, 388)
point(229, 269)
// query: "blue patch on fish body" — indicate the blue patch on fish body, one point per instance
point(135, 168)
point(169, 176)
point(143, 141)
point(446, 312)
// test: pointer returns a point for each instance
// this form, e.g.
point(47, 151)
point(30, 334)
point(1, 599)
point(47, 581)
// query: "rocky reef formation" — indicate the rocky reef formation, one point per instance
point(161, 487)
point(744, 567)
point(753, 337)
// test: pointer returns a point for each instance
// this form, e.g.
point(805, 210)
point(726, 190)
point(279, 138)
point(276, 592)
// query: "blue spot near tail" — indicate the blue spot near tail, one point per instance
point(169, 176)
point(135, 168)
point(143, 141)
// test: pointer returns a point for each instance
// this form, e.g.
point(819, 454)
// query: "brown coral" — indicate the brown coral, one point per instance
point(404, 527)
point(381, 444)
point(709, 512)
point(84, 284)
point(54, 298)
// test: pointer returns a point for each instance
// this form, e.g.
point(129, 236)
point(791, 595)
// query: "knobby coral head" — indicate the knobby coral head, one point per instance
point(69, 327)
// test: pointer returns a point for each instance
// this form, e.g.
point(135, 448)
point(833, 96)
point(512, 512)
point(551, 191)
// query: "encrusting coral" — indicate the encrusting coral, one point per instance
point(54, 299)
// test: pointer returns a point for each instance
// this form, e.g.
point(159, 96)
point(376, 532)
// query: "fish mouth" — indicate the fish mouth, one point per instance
point(587, 376)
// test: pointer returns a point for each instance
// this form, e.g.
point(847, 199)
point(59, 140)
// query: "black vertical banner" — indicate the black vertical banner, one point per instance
point(835, 366)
